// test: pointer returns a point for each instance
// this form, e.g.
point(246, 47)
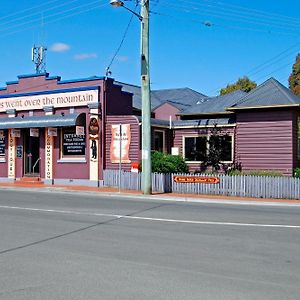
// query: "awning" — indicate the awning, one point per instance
point(43, 121)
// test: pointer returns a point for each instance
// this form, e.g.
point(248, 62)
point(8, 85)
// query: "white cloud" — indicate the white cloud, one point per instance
point(83, 56)
point(122, 58)
point(60, 47)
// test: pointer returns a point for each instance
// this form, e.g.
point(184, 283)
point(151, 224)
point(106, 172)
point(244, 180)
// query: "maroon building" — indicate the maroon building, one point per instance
point(69, 131)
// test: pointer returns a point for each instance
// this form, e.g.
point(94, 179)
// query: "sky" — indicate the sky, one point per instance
point(200, 44)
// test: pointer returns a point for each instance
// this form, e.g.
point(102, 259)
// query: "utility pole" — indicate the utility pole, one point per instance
point(146, 100)
point(145, 92)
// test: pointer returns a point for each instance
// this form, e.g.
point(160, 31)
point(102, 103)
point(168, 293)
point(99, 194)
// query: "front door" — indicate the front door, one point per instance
point(31, 154)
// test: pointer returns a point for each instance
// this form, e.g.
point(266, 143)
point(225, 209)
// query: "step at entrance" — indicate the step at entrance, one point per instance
point(29, 180)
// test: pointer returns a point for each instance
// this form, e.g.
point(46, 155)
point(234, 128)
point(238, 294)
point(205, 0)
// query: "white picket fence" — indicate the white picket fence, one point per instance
point(242, 186)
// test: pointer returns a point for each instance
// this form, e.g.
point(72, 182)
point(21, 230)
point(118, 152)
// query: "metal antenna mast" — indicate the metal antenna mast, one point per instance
point(39, 58)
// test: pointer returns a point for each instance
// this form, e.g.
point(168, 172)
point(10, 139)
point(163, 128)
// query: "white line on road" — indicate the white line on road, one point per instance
point(72, 212)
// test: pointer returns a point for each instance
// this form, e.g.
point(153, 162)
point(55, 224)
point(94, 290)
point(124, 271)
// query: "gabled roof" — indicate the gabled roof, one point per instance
point(214, 104)
point(271, 93)
point(180, 97)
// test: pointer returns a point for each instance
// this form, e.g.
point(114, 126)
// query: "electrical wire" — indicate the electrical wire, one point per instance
point(121, 43)
point(50, 15)
point(29, 16)
point(55, 20)
point(222, 15)
point(242, 10)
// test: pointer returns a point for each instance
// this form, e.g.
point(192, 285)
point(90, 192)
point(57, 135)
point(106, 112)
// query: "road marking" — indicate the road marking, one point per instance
point(149, 219)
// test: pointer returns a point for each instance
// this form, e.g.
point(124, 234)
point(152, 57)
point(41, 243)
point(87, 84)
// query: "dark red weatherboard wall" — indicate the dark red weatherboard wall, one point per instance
point(265, 140)
point(180, 133)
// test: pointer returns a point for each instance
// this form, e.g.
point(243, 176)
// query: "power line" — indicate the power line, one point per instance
point(236, 16)
point(37, 13)
point(56, 19)
point(121, 43)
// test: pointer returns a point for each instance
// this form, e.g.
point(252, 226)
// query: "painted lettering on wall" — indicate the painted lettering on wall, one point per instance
point(49, 153)
point(11, 155)
point(70, 99)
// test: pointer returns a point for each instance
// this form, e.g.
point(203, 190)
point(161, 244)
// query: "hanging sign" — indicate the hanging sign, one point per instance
point(196, 179)
point(15, 133)
point(52, 131)
point(93, 127)
point(125, 136)
point(80, 130)
point(34, 132)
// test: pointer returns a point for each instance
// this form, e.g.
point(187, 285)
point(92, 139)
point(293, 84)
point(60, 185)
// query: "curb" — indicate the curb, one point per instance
point(184, 199)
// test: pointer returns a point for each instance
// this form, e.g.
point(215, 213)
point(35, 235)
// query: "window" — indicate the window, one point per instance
point(195, 148)
point(159, 140)
point(72, 144)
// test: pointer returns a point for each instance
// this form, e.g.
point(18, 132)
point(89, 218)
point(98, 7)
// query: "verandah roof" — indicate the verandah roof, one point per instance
point(42, 121)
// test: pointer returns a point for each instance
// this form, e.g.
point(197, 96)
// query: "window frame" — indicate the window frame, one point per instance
point(164, 139)
point(208, 137)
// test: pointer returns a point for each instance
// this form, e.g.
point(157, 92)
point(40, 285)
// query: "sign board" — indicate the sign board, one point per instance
point(15, 133)
point(196, 179)
point(2, 146)
point(73, 144)
point(59, 99)
point(125, 137)
point(175, 151)
point(93, 126)
point(34, 132)
point(19, 151)
point(80, 130)
point(52, 131)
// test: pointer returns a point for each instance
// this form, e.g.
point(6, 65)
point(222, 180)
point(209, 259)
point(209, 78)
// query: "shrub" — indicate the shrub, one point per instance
point(297, 173)
point(167, 163)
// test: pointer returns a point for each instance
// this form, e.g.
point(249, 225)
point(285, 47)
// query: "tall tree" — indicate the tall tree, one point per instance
point(243, 84)
point(294, 79)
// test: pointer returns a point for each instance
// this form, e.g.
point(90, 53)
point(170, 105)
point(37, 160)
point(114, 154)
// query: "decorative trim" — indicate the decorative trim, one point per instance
point(72, 161)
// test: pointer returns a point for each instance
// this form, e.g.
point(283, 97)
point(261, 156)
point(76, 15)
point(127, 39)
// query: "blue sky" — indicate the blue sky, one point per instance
point(201, 44)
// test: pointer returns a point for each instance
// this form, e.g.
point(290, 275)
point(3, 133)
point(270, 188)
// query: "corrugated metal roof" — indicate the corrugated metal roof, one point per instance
point(192, 123)
point(215, 104)
point(203, 122)
point(42, 121)
point(180, 98)
point(269, 93)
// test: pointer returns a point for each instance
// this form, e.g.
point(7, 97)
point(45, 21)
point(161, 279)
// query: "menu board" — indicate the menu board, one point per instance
point(73, 144)
point(2, 146)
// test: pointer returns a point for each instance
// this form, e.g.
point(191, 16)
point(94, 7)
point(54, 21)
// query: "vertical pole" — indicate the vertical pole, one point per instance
point(146, 100)
point(120, 160)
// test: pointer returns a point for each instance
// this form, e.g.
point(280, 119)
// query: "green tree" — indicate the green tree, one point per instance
point(243, 84)
point(294, 79)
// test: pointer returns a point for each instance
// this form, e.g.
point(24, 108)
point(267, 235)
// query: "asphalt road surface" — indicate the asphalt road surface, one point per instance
point(85, 246)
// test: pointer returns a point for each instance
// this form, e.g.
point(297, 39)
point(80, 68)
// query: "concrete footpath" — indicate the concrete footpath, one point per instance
point(109, 192)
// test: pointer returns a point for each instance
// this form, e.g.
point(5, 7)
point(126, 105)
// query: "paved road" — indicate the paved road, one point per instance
point(83, 246)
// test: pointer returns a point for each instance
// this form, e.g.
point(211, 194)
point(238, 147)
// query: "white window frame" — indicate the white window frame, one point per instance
point(164, 138)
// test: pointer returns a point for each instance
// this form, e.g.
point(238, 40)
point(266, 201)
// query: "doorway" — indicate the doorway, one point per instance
point(31, 154)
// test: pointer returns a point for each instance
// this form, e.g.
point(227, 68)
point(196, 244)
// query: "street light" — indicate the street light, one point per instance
point(145, 92)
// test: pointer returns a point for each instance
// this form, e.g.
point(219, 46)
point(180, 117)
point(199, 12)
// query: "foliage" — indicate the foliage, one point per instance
point(243, 84)
point(294, 79)
point(167, 163)
point(270, 173)
point(297, 173)
point(215, 149)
